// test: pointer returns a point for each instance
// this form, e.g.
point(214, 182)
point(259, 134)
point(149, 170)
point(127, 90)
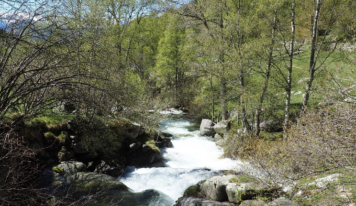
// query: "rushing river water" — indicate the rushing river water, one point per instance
point(193, 158)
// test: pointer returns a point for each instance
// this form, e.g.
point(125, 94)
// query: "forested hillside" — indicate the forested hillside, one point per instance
point(108, 62)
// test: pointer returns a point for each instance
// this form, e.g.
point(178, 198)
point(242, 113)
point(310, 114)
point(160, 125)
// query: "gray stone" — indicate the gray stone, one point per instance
point(237, 192)
point(207, 127)
point(222, 127)
point(72, 167)
point(192, 201)
point(114, 171)
point(83, 185)
point(271, 126)
point(281, 202)
point(219, 140)
point(322, 183)
point(163, 142)
point(350, 100)
point(253, 203)
point(214, 188)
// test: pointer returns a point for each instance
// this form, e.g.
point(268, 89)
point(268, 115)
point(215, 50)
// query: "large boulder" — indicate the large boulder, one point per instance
point(70, 168)
point(163, 141)
point(214, 188)
point(112, 169)
point(193, 201)
point(245, 187)
point(130, 130)
point(222, 127)
point(207, 127)
point(101, 189)
point(144, 156)
point(237, 192)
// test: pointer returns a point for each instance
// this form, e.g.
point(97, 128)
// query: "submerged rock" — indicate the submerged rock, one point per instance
point(207, 127)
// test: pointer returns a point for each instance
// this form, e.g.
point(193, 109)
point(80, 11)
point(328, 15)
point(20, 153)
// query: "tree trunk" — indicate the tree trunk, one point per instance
point(265, 84)
point(312, 56)
point(223, 99)
point(245, 123)
point(212, 100)
point(290, 68)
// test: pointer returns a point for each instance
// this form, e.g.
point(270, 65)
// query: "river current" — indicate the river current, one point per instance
point(193, 158)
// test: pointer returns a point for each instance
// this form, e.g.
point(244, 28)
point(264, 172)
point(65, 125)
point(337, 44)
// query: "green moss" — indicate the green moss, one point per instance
point(51, 136)
point(50, 120)
point(57, 170)
point(191, 191)
point(242, 178)
point(151, 143)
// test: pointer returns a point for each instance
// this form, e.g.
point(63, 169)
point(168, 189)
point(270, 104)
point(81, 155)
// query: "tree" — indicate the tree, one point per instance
point(170, 64)
point(329, 19)
point(34, 56)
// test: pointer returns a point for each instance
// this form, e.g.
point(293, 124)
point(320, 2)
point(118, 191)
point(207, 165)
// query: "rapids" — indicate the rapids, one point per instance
point(193, 158)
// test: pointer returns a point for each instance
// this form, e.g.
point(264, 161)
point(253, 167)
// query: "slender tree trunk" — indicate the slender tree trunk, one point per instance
point(223, 99)
point(312, 56)
point(176, 86)
point(245, 123)
point(212, 100)
point(265, 84)
point(290, 68)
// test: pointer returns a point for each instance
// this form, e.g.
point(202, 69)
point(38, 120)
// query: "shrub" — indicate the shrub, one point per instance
point(323, 140)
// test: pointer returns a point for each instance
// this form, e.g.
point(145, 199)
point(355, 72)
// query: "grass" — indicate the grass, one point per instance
point(340, 192)
point(49, 121)
point(242, 179)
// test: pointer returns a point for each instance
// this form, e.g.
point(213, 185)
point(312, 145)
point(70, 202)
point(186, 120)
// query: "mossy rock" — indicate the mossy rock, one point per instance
point(153, 146)
point(57, 170)
point(192, 191)
point(242, 179)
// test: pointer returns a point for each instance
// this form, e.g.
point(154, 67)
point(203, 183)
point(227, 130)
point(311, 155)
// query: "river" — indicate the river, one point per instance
point(192, 159)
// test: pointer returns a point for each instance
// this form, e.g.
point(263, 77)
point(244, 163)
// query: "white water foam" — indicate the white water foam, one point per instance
point(193, 158)
point(172, 111)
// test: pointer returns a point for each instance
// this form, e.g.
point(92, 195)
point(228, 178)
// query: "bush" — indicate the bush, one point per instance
point(19, 170)
point(323, 140)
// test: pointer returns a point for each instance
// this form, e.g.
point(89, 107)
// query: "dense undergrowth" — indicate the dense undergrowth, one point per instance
point(320, 143)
